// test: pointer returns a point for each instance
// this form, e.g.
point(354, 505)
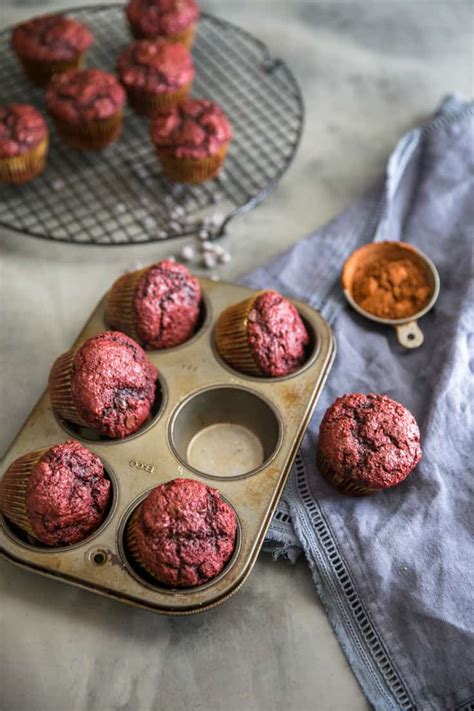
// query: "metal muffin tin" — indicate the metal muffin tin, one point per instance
point(198, 392)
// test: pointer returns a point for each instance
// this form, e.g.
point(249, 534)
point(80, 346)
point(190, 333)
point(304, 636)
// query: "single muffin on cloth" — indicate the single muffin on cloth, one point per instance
point(87, 107)
point(191, 140)
point(155, 74)
point(159, 306)
point(367, 443)
point(57, 495)
point(183, 534)
point(50, 44)
point(262, 336)
point(174, 20)
point(107, 384)
point(23, 143)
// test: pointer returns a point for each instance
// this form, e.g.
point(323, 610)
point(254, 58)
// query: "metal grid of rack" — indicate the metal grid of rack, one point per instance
point(119, 196)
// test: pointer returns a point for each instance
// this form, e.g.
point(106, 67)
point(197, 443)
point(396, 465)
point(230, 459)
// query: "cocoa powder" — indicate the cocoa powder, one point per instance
point(391, 288)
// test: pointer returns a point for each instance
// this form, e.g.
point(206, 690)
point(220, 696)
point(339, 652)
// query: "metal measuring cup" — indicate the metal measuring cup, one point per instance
point(408, 332)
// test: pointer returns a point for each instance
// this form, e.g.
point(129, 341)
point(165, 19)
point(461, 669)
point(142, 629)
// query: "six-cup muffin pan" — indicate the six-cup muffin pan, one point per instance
point(237, 433)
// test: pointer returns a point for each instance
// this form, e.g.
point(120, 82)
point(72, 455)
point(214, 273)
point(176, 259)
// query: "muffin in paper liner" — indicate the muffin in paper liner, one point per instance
point(185, 37)
point(342, 484)
point(191, 170)
point(232, 337)
point(13, 489)
point(119, 311)
point(148, 103)
point(19, 169)
point(59, 386)
point(91, 135)
point(39, 73)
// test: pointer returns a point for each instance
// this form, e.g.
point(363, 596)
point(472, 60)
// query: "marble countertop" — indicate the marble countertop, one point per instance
point(368, 70)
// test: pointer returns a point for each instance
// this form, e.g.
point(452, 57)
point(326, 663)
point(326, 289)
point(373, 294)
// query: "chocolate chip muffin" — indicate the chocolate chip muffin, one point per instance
point(367, 443)
point(158, 305)
point(87, 107)
point(155, 74)
point(183, 534)
point(173, 20)
point(57, 495)
point(23, 143)
point(107, 384)
point(262, 336)
point(50, 44)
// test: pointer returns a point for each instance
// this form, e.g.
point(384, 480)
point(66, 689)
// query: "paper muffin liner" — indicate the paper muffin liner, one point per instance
point(14, 487)
point(59, 386)
point(131, 541)
point(147, 103)
point(185, 37)
point(232, 337)
point(342, 484)
point(191, 170)
point(91, 135)
point(119, 311)
point(21, 169)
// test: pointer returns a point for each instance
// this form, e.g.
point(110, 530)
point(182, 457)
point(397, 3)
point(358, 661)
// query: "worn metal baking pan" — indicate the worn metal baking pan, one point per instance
point(207, 417)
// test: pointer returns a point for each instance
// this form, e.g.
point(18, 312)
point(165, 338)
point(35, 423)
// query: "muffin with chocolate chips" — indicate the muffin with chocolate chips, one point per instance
point(159, 306)
point(155, 74)
point(262, 336)
point(49, 45)
point(107, 384)
point(87, 107)
point(183, 534)
point(23, 143)
point(172, 20)
point(367, 443)
point(191, 140)
point(57, 495)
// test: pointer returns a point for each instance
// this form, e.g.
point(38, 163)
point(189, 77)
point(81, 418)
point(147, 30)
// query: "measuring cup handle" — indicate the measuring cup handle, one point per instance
point(409, 335)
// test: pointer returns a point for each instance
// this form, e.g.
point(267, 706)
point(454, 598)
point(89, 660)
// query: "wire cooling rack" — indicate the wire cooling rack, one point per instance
point(119, 196)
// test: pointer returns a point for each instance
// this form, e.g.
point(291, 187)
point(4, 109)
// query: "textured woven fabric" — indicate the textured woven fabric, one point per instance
point(395, 571)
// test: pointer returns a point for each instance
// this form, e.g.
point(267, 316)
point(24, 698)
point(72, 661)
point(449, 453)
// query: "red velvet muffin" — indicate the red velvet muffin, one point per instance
point(155, 74)
point(183, 534)
point(23, 143)
point(57, 495)
point(50, 44)
point(107, 384)
point(191, 140)
point(367, 443)
point(263, 336)
point(174, 20)
point(87, 107)
point(158, 306)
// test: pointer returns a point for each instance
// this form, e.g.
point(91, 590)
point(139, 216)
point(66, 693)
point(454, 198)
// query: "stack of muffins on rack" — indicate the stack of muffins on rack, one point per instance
point(155, 74)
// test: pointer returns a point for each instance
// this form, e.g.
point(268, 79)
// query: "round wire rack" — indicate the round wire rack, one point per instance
point(119, 195)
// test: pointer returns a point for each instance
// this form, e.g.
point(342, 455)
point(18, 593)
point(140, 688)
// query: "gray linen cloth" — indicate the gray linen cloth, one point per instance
point(395, 571)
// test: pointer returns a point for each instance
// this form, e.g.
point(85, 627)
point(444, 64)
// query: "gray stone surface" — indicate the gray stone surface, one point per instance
point(368, 70)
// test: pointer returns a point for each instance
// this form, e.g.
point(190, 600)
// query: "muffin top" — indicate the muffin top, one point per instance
point(67, 494)
point(276, 335)
point(22, 127)
point(155, 65)
point(84, 95)
point(370, 439)
point(113, 384)
point(185, 533)
point(162, 17)
point(194, 129)
point(52, 38)
point(166, 305)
